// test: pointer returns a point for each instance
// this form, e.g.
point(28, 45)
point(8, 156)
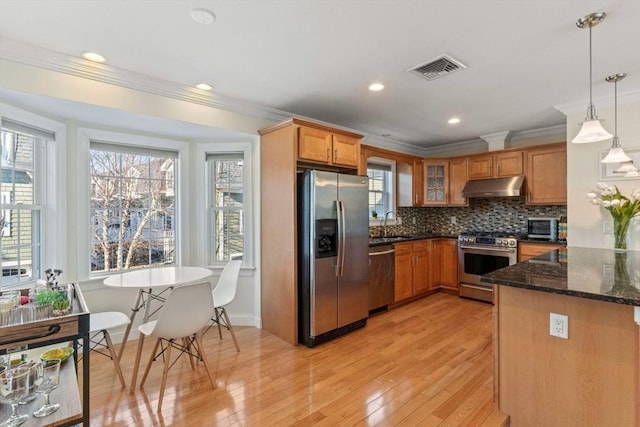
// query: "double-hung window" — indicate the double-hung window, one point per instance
point(226, 206)
point(132, 206)
point(22, 191)
point(381, 174)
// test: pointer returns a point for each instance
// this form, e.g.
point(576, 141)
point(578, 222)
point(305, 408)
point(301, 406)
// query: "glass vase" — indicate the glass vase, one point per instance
point(620, 230)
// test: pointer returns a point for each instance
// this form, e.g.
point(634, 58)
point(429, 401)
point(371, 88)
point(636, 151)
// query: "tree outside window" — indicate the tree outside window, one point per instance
point(132, 207)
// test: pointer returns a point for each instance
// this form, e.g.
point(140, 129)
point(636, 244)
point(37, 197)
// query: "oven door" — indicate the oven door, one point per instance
point(475, 261)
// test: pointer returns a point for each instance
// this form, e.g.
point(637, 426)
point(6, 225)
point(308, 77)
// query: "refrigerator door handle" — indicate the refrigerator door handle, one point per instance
point(342, 238)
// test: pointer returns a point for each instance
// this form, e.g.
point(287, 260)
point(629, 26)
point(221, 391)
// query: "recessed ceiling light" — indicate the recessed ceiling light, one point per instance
point(93, 57)
point(375, 87)
point(204, 86)
point(454, 121)
point(203, 16)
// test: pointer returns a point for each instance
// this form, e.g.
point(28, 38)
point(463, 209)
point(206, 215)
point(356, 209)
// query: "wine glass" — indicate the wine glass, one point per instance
point(47, 381)
point(33, 373)
point(14, 386)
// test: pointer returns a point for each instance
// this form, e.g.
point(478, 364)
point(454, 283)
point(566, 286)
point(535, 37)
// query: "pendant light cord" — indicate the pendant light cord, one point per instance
point(591, 113)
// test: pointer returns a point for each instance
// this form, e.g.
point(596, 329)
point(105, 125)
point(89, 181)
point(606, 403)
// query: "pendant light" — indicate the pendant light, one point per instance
point(591, 130)
point(616, 153)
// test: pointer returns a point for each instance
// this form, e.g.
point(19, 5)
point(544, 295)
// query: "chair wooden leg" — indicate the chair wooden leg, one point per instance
point(165, 372)
point(148, 367)
point(233, 335)
point(136, 364)
point(187, 345)
point(218, 322)
point(205, 361)
point(114, 357)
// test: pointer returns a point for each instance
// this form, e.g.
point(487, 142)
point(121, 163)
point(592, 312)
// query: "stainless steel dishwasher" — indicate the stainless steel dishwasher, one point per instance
point(381, 276)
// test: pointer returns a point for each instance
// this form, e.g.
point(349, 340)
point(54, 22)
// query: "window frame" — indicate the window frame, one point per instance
point(52, 162)
point(391, 188)
point(124, 139)
point(205, 240)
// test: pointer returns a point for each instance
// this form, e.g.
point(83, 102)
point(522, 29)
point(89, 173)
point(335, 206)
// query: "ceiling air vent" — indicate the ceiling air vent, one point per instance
point(437, 67)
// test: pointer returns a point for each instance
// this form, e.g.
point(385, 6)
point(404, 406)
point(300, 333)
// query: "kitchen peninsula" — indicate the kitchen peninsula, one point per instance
point(589, 379)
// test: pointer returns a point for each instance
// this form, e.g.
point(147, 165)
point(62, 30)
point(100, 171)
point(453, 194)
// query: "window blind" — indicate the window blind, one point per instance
point(20, 127)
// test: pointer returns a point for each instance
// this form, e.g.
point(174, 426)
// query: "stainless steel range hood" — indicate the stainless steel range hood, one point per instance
point(494, 187)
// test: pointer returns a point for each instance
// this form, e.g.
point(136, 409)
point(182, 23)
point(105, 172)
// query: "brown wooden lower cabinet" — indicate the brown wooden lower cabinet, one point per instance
point(447, 250)
point(412, 269)
point(530, 250)
point(425, 265)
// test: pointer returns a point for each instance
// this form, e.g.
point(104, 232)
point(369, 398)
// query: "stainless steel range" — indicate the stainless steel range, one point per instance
point(479, 254)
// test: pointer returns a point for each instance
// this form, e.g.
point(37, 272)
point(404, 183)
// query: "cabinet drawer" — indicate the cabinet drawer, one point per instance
point(36, 332)
point(420, 246)
point(402, 248)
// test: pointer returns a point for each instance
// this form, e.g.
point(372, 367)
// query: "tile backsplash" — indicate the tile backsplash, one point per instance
point(507, 214)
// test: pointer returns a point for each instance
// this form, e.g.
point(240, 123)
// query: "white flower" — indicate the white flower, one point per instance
point(601, 186)
point(606, 203)
point(592, 195)
point(615, 202)
point(596, 201)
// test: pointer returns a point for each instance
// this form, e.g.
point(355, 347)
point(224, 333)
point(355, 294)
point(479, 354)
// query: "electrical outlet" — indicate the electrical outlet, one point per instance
point(398, 220)
point(413, 220)
point(454, 220)
point(559, 325)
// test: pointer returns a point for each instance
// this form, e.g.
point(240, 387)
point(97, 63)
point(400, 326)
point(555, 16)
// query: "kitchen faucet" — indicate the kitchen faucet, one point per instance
point(384, 229)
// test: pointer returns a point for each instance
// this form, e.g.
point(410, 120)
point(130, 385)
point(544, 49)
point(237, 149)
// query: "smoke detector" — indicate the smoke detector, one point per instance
point(437, 67)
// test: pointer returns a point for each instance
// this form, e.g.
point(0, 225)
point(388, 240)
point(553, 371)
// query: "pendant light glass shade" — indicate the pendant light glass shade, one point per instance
point(591, 130)
point(616, 153)
point(632, 174)
point(627, 167)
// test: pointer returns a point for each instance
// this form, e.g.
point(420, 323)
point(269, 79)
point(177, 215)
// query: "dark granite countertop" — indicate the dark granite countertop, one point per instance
point(379, 241)
point(599, 274)
point(544, 242)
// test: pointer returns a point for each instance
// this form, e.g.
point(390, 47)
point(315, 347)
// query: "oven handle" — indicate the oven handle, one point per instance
point(490, 249)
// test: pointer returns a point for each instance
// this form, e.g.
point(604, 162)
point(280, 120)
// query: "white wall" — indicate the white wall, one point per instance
point(583, 173)
point(245, 310)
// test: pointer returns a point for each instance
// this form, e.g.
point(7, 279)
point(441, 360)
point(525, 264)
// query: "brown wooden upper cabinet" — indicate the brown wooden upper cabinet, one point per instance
point(436, 183)
point(496, 165)
point(547, 175)
point(317, 145)
point(458, 176)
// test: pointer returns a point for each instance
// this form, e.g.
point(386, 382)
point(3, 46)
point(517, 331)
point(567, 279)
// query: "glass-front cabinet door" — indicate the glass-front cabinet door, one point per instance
point(436, 182)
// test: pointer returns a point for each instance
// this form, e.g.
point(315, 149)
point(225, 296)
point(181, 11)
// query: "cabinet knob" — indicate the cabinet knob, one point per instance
point(328, 154)
point(335, 157)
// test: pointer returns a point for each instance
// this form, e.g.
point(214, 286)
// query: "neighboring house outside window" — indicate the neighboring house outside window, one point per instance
point(226, 201)
point(132, 207)
point(381, 187)
point(22, 196)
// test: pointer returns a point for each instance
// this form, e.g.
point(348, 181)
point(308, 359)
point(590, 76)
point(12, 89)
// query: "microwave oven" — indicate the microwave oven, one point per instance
point(542, 228)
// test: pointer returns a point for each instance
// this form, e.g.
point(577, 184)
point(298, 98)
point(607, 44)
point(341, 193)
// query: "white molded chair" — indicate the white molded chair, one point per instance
point(223, 295)
point(99, 325)
point(180, 321)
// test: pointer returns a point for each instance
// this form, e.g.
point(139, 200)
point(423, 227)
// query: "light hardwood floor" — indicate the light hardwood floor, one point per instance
point(426, 363)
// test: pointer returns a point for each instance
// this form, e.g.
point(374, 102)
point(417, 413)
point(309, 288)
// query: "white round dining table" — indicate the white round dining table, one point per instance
point(152, 283)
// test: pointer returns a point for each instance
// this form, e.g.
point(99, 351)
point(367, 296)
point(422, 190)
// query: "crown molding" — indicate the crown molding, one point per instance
point(558, 130)
point(604, 102)
point(55, 61)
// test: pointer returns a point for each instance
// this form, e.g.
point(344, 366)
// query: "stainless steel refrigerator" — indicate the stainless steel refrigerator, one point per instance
point(333, 265)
